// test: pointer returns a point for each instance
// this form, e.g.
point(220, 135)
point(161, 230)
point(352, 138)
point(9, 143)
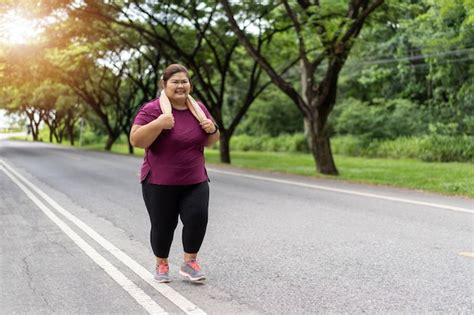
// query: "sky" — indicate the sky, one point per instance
point(7, 121)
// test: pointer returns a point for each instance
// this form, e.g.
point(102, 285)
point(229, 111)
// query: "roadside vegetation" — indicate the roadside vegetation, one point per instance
point(382, 93)
point(453, 178)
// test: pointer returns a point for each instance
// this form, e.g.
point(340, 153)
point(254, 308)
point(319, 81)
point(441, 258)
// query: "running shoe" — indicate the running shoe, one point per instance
point(162, 272)
point(192, 271)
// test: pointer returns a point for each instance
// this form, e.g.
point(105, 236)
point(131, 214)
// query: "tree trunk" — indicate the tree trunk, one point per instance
point(35, 131)
point(110, 141)
point(70, 130)
point(224, 148)
point(321, 149)
point(50, 135)
point(127, 134)
point(61, 136)
point(58, 136)
point(307, 131)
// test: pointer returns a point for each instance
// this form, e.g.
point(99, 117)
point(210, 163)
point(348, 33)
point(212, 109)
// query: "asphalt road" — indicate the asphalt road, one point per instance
point(75, 239)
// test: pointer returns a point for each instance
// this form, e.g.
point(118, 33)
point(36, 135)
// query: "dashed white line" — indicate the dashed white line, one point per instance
point(180, 301)
point(138, 294)
point(345, 191)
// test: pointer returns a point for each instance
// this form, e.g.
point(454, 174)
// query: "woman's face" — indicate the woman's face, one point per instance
point(178, 87)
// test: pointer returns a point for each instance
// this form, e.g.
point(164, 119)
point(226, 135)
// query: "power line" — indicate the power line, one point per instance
point(419, 57)
point(356, 67)
point(415, 46)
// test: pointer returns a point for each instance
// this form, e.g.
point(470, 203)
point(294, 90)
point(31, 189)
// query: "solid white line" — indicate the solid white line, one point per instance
point(351, 192)
point(138, 294)
point(168, 292)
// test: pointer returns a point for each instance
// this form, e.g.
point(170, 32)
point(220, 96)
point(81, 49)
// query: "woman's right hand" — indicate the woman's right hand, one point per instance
point(166, 121)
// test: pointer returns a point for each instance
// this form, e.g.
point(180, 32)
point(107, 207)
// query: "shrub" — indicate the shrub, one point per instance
point(282, 143)
point(448, 148)
point(427, 148)
point(91, 137)
point(384, 119)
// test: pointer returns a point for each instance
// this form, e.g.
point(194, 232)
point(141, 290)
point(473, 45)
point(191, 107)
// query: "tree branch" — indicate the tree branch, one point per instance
point(277, 79)
point(299, 34)
point(355, 28)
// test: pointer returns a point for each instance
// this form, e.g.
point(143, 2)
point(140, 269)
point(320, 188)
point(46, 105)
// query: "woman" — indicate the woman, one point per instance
point(174, 130)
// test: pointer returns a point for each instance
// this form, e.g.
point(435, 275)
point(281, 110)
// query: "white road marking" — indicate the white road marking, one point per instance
point(180, 301)
point(345, 191)
point(138, 294)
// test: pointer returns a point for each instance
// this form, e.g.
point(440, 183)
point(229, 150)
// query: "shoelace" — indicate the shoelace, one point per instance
point(163, 268)
point(194, 264)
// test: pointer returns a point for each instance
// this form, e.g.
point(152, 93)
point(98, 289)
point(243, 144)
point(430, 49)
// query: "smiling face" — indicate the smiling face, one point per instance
point(177, 88)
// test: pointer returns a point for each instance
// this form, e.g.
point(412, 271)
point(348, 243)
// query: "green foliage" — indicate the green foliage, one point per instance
point(283, 143)
point(272, 114)
point(422, 53)
point(434, 148)
point(90, 137)
point(385, 119)
point(447, 149)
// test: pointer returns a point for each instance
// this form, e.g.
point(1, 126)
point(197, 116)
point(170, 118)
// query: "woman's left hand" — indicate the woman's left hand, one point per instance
point(208, 126)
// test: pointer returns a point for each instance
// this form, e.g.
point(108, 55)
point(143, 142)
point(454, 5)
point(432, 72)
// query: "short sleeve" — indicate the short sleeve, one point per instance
point(147, 113)
point(206, 112)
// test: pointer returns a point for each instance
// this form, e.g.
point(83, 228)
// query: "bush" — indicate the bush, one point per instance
point(448, 148)
point(283, 143)
point(273, 113)
point(91, 137)
point(384, 119)
point(427, 148)
point(348, 145)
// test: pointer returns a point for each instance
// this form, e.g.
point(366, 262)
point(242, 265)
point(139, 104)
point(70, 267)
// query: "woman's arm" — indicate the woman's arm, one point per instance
point(211, 139)
point(211, 128)
point(142, 136)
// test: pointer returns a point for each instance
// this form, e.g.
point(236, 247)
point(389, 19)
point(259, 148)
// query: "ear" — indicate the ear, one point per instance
point(162, 84)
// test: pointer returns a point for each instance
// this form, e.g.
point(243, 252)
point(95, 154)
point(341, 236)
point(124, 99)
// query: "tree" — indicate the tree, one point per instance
point(195, 34)
point(19, 80)
point(423, 53)
point(27, 85)
point(324, 34)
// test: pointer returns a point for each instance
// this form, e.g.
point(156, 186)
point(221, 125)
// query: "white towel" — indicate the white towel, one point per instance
point(193, 106)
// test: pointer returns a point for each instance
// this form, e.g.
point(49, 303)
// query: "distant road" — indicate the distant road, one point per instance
point(4, 136)
point(74, 239)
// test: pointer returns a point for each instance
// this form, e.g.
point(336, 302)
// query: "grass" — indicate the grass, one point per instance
point(445, 178)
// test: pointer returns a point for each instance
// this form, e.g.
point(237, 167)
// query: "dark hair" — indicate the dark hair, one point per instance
point(173, 69)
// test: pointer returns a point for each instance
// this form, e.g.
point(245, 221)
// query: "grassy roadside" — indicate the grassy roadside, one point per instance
point(445, 178)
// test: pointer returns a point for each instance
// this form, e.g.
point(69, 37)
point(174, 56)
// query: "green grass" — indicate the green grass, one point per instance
point(445, 178)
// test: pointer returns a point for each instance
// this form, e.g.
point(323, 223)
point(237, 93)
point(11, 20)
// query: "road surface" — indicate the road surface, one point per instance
point(75, 239)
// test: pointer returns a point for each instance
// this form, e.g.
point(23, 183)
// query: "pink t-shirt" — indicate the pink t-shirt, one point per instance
point(176, 157)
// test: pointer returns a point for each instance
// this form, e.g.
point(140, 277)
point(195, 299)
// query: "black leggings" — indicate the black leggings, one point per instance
point(165, 203)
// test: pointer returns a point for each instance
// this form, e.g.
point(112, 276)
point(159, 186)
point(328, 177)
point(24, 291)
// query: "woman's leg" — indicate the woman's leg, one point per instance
point(193, 210)
point(162, 204)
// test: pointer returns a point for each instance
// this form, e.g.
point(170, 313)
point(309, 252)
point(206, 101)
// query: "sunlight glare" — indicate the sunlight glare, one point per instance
point(15, 29)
